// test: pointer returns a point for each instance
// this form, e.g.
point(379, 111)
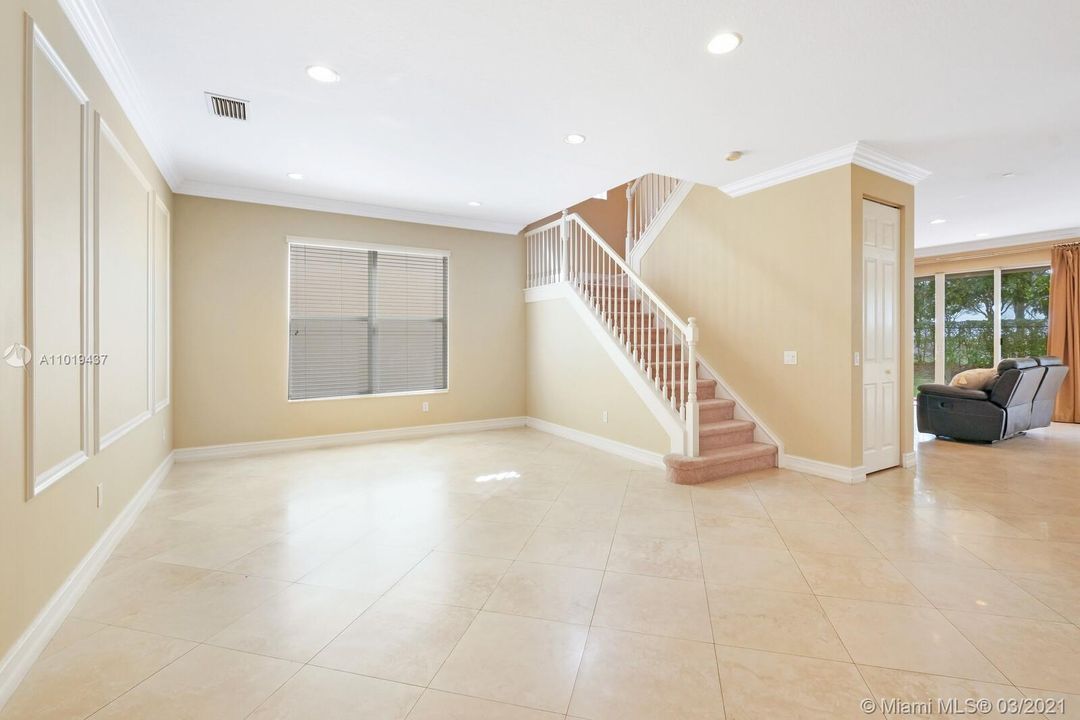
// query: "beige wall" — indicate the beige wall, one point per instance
point(776, 270)
point(231, 329)
point(606, 217)
point(571, 380)
point(44, 538)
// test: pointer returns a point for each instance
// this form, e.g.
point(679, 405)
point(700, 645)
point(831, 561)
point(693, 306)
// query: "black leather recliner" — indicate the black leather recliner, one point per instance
point(1020, 399)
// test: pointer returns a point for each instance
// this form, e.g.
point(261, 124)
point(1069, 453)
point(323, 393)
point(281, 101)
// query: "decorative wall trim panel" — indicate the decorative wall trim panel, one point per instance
point(37, 234)
point(107, 436)
point(161, 303)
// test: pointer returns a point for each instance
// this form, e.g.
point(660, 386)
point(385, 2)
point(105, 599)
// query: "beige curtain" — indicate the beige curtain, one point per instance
point(1064, 338)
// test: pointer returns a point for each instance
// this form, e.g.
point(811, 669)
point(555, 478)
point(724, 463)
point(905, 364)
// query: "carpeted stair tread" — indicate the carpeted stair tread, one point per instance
point(746, 450)
point(720, 462)
point(724, 427)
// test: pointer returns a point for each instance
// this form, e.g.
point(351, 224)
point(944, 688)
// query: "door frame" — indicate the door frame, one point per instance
point(904, 323)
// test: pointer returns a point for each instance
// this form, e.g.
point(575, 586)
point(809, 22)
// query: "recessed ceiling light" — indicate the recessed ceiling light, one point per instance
point(295, 176)
point(474, 203)
point(982, 235)
point(1008, 175)
point(724, 43)
point(323, 74)
point(574, 139)
point(938, 221)
point(733, 155)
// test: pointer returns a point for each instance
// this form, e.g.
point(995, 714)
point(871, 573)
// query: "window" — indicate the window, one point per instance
point(986, 315)
point(366, 320)
point(925, 330)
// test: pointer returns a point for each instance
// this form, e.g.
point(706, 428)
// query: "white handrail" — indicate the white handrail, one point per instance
point(663, 346)
point(636, 281)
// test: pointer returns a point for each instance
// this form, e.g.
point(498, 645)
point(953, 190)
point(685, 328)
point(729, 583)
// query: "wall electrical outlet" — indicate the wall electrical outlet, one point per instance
point(857, 359)
point(603, 416)
point(424, 407)
point(100, 492)
point(791, 357)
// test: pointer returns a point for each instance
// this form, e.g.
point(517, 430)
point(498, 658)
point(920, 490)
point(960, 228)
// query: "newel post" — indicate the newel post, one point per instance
point(564, 246)
point(629, 219)
point(691, 390)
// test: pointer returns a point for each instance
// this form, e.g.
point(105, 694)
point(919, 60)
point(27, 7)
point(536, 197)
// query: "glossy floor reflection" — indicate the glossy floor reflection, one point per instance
point(513, 575)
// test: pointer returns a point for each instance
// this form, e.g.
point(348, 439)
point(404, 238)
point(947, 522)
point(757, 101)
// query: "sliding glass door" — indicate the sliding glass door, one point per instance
point(958, 325)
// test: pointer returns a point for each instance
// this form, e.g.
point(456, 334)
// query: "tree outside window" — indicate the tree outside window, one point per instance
point(925, 327)
point(1025, 305)
point(969, 322)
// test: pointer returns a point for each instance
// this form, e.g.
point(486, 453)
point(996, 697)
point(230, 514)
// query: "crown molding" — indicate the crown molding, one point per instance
point(89, 22)
point(1006, 241)
point(881, 162)
point(342, 207)
point(856, 153)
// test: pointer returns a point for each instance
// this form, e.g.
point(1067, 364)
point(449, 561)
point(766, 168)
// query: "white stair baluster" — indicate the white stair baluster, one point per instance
point(569, 251)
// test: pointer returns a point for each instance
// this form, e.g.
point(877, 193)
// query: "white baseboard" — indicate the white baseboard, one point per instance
point(18, 660)
point(260, 447)
point(614, 447)
point(644, 387)
point(850, 475)
point(909, 459)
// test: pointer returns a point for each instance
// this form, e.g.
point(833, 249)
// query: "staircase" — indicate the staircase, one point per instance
point(661, 345)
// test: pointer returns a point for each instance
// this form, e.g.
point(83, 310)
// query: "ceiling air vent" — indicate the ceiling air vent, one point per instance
point(227, 107)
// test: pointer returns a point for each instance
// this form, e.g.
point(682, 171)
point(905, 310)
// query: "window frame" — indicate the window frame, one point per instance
point(291, 240)
point(939, 310)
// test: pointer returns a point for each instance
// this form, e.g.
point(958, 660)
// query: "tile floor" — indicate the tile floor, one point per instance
point(512, 575)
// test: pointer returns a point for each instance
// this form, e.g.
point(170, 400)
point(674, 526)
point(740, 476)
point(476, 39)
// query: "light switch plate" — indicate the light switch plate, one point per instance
point(791, 357)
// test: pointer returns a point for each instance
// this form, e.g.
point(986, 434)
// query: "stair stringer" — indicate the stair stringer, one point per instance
point(657, 224)
point(644, 387)
point(762, 432)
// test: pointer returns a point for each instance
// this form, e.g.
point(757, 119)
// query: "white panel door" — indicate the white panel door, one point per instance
point(881, 365)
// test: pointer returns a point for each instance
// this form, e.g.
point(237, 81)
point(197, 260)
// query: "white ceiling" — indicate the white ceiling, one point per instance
point(444, 102)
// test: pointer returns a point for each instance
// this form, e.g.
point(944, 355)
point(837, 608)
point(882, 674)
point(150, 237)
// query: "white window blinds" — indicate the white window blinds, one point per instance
point(364, 321)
